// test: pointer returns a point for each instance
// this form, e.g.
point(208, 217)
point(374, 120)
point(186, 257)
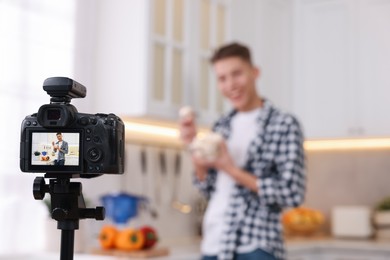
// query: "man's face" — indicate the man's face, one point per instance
point(59, 137)
point(236, 80)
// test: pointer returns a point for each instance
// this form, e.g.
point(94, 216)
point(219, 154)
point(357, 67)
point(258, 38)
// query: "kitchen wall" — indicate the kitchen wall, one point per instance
point(334, 178)
point(346, 178)
point(158, 186)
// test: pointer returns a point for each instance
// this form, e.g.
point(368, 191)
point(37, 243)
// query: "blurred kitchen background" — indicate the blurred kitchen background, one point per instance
point(326, 61)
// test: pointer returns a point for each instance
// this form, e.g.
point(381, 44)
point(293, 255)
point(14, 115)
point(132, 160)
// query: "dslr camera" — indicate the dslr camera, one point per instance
point(60, 141)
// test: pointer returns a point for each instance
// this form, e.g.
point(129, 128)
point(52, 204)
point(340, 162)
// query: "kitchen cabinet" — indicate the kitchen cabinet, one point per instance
point(266, 27)
point(341, 57)
point(373, 51)
point(212, 17)
point(152, 57)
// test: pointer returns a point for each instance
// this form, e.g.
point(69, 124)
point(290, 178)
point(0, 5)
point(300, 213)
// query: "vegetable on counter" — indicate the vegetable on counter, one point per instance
point(130, 239)
point(150, 235)
point(108, 236)
point(206, 147)
point(127, 239)
point(303, 221)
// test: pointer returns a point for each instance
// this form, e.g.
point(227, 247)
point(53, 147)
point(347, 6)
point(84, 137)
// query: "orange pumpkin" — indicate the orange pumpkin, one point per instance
point(130, 239)
point(108, 236)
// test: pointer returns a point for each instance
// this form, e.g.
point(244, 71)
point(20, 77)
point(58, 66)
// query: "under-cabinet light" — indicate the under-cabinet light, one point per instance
point(168, 133)
point(347, 144)
point(146, 129)
point(155, 132)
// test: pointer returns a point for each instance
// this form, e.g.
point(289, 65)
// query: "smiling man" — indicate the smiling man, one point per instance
point(259, 170)
point(60, 148)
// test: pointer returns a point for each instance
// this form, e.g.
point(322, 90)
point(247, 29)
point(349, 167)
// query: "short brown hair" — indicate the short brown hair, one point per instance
point(232, 50)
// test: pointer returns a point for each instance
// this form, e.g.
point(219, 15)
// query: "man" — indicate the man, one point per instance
point(259, 171)
point(60, 148)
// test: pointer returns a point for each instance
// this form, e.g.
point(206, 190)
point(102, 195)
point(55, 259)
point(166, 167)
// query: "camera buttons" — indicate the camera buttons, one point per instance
point(88, 130)
point(84, 121)
point(93, 120)
point(28, 123)
point(94, 154)
point(35, 123)
point(93, 168)
point(96, 139)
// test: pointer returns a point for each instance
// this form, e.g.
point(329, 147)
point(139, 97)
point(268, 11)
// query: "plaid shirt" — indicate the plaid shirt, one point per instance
point(276, 158)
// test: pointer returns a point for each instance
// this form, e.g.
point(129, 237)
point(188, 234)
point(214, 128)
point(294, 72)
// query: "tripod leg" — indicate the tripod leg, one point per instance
point(67, 244)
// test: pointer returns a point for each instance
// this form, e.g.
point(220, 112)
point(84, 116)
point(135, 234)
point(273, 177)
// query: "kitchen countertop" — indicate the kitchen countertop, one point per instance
point(187, 252)
point(52, 256)
point(324, 243)
point(191, 251)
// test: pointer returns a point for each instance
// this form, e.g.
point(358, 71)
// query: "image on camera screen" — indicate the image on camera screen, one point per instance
point(55, 148)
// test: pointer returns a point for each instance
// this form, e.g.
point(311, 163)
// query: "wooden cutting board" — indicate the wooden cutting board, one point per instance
point(147, 253)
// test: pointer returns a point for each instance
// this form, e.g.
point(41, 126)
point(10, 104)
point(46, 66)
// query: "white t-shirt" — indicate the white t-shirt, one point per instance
point(58, 150)
point(243, 130)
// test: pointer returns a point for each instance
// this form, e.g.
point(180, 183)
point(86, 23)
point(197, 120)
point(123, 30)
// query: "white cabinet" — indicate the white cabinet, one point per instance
point(321, 59)
point(341, 57)
point(133, 60)
point(266, 27)
point(168, 54)
point(373, 65)
point(152, 56)
point(210, 30)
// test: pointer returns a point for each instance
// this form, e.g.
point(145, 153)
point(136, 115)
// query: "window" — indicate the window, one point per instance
point(37, 42)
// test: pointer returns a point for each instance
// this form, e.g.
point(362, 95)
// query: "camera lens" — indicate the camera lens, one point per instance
point(53, 114)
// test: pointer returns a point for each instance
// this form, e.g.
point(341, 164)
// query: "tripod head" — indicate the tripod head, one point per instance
point(67, 207)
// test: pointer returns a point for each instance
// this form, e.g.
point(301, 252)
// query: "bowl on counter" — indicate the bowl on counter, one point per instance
point(302, 221)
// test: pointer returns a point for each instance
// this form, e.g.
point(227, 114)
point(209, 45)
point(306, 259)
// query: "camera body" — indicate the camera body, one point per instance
point(59, 140)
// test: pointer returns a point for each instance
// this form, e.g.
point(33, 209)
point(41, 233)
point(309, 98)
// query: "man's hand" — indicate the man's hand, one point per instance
point(55, 147)
point(223, 161)
point(201, 168)
point(187, 129)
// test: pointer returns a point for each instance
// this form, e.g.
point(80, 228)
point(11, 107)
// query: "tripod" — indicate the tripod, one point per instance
point(67, 207)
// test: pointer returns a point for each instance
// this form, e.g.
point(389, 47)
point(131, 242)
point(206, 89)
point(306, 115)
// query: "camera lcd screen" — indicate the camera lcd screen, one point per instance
point(55, 151)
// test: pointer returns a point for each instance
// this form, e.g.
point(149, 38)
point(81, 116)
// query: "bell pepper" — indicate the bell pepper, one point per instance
point(130, 239)
point(107, 236)
point(150, 235)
